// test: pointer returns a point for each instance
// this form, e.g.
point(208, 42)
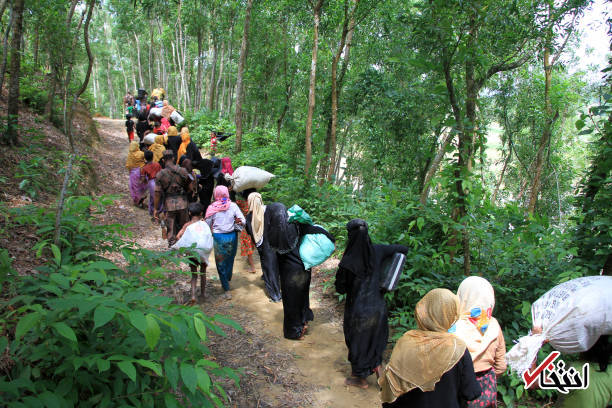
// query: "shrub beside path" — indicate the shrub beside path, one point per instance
point(276, 372)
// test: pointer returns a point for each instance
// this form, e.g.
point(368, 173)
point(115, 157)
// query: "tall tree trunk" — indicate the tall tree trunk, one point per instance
point(311, 89)
point(501, 176)
point(217, 86)
point(36, 44)
point(213, 80)
point(546, 133)
point(5, 52)
point(10, 137)
point(68, 173)
point(142, 83)
point(345, 46)
point(198, 101)
point(434, 165)
point(150, 61)
point(239, 84)
point(111, 93)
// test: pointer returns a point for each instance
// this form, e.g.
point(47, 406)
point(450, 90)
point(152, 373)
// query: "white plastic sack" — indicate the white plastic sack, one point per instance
point(149, 139)
point(197, 233)
point(572, 316)
point(249, 177)
point(176, 117)
point(155, 112)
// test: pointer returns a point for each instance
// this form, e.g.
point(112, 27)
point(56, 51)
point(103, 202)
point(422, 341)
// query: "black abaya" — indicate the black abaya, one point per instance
point(366, 329)
point(269, 264)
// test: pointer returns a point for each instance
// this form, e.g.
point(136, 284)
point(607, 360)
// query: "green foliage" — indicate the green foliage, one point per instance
point(32, 175)
point(86, 332)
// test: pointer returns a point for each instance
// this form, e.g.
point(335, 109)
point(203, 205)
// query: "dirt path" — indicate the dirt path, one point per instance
point(276, 372)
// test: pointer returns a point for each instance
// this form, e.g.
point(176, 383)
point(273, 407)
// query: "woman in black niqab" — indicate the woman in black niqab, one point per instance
point(283, 237)
point(366, 329)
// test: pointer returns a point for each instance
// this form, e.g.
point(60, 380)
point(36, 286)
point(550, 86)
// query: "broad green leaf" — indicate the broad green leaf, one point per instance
point(156, 367)
point(57, 254)
point(200, 327)
point(65, 330)
point(189, 376)
point(203, 380)
point(60, 279)
point(170, 401)
point(420, 223)
point(137, 319)
point(102, 364)
point(152, 331)
point(26, 323)
point(51, 400)
point(228, 322)
point(128, 368)
point(103, 315)
point(171, 372)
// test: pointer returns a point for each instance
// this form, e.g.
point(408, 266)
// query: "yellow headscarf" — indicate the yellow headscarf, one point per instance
point(135, 157)
point(257, 208)
point(183, 147)
point(172, 131)
point(421, 357)
point(158, 148)
point(476, 326)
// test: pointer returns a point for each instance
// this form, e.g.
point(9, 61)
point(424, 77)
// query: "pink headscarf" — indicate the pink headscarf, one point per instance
point(226, 166)
point(221, 203)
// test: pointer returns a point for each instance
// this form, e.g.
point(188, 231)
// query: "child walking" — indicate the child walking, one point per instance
point(129, 127)
point(196, 227)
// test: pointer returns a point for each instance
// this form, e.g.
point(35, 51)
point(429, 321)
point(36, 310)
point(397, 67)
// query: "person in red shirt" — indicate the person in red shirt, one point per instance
point(147, 175)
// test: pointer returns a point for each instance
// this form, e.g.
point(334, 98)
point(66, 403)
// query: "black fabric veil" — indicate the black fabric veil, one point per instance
point(358, 256)
point(282, 235)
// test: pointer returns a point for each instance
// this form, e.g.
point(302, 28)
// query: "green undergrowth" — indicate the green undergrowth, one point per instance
point(87, 331)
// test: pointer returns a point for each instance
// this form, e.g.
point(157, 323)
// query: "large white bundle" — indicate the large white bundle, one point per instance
point(572, 316)
point(249, 177)
point(155, 112)
point(149, 139)
point(197, 233)
point(177, 117)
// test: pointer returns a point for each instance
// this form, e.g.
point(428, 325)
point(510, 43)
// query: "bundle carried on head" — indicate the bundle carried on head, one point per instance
point(572, 315)
point(248, 177)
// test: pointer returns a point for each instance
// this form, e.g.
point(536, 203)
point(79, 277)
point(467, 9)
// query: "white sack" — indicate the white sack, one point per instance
point(572, 316)
point(155, 112)
point(176, 117)
point(245, 177)
point(149, 139)
point(197, 233)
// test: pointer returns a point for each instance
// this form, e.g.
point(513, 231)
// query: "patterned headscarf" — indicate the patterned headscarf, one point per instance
point(222, 201)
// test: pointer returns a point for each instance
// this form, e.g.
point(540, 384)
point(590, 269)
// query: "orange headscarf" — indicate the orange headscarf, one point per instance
point(158, 148)
point(183, 147)
point(135, 157)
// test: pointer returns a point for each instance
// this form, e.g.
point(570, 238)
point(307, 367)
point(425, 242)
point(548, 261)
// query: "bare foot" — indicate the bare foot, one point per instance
point(252, 270)
point(356, 382)
point(378, 371)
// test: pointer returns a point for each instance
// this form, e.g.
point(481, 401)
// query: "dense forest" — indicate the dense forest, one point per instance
point(471, 132)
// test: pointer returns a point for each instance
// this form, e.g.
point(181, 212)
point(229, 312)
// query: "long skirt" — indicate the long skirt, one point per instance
point(246, 244)
point(151, 189)
point(137, 188)
point(225, 246)
point(488, 384)
point(269, 267)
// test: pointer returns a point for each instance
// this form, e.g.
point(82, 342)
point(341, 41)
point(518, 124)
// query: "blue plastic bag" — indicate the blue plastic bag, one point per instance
point(315, 249)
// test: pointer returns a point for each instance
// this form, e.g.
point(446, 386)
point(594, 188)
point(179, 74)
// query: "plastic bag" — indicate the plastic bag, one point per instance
point(155, 112)
point(315, 249)
point(572, 315)
point(176, 117)
point(197, 233)
point(249, 177)
point(149, 139)
point(297, 214)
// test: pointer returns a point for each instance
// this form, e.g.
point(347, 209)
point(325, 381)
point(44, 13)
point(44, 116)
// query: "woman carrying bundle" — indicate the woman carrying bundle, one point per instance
point(267, 257)
point(283, 237)
point(188, 148)
point(136, 160)
point(224, 218)
point(366, 329)
point(430, 367)
point(246, 243)
point(483, 336)
point(158, 148)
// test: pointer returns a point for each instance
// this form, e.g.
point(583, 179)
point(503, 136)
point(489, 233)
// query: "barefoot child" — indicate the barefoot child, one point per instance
point(199, 232)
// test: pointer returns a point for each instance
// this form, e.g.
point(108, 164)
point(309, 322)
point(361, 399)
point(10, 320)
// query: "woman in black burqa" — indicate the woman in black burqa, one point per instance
point(283, 237)
point(359, 275)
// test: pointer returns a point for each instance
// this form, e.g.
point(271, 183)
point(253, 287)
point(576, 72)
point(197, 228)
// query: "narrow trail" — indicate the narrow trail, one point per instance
point(277, 372)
